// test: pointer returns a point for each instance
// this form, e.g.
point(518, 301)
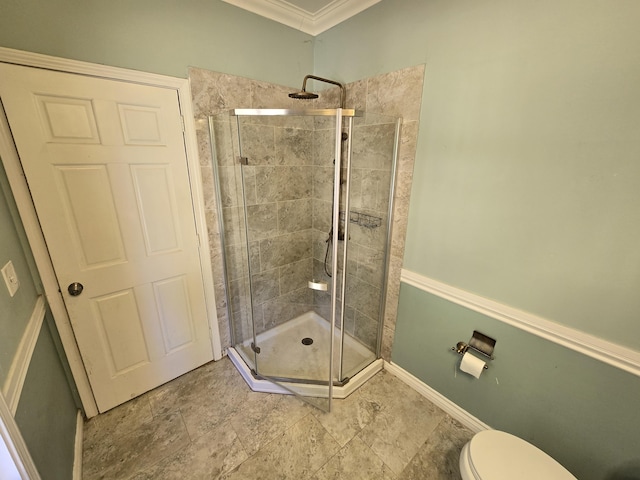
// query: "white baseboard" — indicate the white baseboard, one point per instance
point(458, 413)
point(14, 382)
point(610, 353)
point(77, 453)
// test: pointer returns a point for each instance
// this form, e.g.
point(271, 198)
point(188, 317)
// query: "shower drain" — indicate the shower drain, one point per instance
point(307, 341)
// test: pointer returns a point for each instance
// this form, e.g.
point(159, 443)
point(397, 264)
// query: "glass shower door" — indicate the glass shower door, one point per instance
point(287, 188)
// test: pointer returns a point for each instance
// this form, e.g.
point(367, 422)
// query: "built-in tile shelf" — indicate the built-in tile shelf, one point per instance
point(309, 16)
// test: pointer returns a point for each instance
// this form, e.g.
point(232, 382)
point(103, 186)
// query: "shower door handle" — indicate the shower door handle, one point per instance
point(322, 286)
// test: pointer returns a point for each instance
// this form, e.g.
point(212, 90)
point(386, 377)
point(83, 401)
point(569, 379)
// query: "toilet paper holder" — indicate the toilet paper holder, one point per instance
point(479, 343)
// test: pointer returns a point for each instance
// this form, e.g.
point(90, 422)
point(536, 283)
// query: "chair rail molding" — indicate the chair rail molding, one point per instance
point(610, 353)
point(14, 382)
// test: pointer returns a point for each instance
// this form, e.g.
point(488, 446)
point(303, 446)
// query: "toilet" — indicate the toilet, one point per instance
point(495, 455)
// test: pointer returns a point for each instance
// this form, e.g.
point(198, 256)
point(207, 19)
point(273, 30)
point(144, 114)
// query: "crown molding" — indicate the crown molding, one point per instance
point(315, 23)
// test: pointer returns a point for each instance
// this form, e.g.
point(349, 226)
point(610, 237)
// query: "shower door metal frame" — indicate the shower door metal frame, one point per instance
point(342, 116)
point(339, 114)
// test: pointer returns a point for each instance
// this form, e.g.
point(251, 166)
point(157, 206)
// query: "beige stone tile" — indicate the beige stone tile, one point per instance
point(209, 457)
point(112, 425)
point(438, 458)
point(356, 461)
point(162, 437)
point(397, 93)
point(296, 454)
point(205, 397)
point(265, 416)
point(404, 423)
point(348, 416)
point(388, 334)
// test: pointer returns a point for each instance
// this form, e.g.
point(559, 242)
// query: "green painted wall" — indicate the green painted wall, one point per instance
point(47, 408)
point(159, 36)
point(46, 414)
point(525, 191)
point(525, 186)
point(14, 311)
point(581, 411)
point(526, 180)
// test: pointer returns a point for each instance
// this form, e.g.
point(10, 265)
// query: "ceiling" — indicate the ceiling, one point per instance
point(309, 16)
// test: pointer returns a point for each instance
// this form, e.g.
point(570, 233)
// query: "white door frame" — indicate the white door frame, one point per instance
point(27, 212)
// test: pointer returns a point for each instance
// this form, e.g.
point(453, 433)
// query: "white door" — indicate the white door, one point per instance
point(105, 162)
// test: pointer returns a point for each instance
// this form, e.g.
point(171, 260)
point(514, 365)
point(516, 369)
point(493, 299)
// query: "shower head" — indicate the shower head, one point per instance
point(303, 94)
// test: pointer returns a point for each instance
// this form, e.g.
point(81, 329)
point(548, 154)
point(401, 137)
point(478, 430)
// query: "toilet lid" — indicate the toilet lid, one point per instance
point(498, 455)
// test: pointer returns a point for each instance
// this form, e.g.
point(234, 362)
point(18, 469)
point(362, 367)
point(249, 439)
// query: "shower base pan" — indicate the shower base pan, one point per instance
point(284, 355)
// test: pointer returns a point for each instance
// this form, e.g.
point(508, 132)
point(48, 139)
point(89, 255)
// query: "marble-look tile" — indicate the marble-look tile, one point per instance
point(369, 264)
point(205, 397)
point(438, 458)
point(324, 147)
point(366, 330)
point(117, 422)
point(223, 141)
point(262, 221)
point(397, 94)
point(282, 183)
point(293, 146)
point(408, 145)
point(258, 143)
point(295, 275)
point(393, 292)
point(269, 95)
point(207, 458)
point(372, 146)
point(387, 342)
point(208, 189)
point(236, 261)
point(356, 95)
point(356, 461)
point(214, 91)
point(265, 286)
point(285, 249)
point(266, 416)
point(363, 296)
point(294, 215)
point(223, 328)
point(296, 454)
point(348, 416)
point(164, 436)
point(239, 297)
point(404, 423)
point(287, 307)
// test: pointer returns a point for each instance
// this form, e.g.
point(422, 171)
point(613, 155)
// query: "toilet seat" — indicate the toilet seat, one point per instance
point(495, 455)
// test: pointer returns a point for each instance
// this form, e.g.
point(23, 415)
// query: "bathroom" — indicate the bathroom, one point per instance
point(523, 193)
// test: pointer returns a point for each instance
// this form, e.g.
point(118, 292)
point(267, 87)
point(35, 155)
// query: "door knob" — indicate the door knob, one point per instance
point(75, 289)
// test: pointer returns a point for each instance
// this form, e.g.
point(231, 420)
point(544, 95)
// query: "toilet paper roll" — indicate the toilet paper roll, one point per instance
point(472, 365)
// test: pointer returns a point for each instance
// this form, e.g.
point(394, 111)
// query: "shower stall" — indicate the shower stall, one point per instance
point(305, 200)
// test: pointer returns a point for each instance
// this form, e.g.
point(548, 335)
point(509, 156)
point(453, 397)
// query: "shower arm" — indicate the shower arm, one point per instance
point(326, 80)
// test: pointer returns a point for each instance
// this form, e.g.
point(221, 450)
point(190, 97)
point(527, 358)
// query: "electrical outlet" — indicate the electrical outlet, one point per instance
point(10, 278)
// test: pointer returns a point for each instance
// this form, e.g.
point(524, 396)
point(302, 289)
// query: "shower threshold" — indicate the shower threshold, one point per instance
point(290, 362)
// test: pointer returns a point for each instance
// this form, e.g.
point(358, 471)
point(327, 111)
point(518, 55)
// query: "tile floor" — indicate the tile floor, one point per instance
point(208, 424)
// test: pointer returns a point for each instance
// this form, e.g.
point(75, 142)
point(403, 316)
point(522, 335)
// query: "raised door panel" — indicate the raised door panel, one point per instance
point(105, 161)
point(87, 200)
point(157, 208)
point(121, 335)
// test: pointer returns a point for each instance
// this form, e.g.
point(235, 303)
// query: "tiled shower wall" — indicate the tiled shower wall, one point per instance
point(372, 149)
point(393, 94)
